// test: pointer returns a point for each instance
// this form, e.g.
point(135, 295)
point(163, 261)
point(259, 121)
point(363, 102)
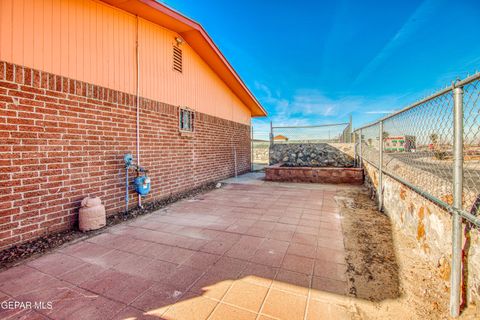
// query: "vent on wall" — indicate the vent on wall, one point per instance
point(177, 59)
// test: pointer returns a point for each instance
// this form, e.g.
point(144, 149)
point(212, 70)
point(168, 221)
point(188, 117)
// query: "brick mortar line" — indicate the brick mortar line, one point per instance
point(105, 98)
point(72, 92)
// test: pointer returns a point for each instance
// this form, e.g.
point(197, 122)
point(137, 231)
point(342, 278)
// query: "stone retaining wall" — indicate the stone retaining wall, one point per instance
point(313, 155)
point(430, 226)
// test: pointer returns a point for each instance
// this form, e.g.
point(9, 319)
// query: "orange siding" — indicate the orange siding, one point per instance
point(93, 42)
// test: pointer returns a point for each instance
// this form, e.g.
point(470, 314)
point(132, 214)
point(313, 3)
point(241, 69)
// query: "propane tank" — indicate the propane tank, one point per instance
point(92, 214)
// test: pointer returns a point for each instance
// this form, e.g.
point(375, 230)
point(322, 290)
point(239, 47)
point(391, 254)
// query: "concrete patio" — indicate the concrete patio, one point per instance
point(245, 251)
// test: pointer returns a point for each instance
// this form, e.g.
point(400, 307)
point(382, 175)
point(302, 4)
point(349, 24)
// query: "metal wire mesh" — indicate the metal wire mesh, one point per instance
point(260, 151)
point(421, 146)
point(370, 144)
point(338, 132)
point(418, 145)
point(471, 146)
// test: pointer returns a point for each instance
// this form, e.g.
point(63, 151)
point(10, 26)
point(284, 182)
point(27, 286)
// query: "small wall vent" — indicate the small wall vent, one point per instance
point(177, 59)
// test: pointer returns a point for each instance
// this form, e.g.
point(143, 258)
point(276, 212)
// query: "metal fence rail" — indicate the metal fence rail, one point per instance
point(324, 133)
point(433, 147)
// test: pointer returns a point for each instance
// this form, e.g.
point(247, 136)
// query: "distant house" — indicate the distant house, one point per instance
point(280, 138)
point(83, 82)
point(399, 143)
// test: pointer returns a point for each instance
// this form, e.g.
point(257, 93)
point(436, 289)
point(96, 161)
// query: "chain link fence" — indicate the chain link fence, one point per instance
point(370, 145)
point(471, 145)
point(260, 153)
point(418, 145)
point(433, 147)
point(325, 133)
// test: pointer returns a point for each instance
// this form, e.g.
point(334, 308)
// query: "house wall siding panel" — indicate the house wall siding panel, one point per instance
point(96, 43)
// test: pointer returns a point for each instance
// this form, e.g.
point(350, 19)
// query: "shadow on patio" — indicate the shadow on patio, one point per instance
point(245, 251)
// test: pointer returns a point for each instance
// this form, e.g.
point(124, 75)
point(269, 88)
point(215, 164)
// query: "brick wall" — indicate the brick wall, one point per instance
point(61, 140)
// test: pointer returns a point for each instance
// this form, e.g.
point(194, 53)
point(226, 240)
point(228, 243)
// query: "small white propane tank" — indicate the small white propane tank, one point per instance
point(92, 214)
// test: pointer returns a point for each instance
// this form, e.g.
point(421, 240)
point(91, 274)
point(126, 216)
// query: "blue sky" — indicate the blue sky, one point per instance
point(313, 62)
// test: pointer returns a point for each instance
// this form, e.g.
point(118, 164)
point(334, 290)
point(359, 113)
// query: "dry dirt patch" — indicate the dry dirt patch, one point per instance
point(387, 276)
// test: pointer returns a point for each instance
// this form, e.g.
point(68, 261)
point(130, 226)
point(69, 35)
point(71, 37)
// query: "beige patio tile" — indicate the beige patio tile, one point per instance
point(224, 311)
point(191, 307)
point(213, 285)
point(284, 305)
point(246, 295)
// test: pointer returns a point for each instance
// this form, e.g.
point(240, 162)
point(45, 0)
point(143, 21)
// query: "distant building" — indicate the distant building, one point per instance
point(399, 143)
point(280, 138)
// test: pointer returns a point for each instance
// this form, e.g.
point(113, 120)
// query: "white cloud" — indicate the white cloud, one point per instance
point(312, 107)
point(306, 106)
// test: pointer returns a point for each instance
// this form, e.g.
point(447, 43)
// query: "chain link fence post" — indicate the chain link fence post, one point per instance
point(360, 157)
point(350, 140)
point(251, 146)
point(380, 166)
point(271, 142)
point(355, 150)
point(456, 275)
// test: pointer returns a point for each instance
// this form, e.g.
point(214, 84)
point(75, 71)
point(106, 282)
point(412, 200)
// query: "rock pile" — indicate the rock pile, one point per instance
point(310, 155)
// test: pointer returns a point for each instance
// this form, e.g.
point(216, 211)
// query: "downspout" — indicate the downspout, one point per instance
point(137, 89)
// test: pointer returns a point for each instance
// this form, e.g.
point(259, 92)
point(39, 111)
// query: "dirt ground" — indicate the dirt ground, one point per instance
point(386, 275)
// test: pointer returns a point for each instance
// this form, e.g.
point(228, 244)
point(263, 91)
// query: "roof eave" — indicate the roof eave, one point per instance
point(198, 39)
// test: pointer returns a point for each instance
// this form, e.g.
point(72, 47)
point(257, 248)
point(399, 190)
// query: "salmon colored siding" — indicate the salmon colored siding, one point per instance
point(94, 42)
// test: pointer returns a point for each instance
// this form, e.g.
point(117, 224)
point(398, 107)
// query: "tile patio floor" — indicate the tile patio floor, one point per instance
point(245, 251)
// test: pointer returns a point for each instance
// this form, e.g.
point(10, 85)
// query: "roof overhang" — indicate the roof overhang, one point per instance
point(197, 38)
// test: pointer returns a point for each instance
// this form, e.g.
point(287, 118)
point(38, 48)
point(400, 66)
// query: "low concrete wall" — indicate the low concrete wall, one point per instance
point(312, 154)
point(430, 226)
point(315, 175)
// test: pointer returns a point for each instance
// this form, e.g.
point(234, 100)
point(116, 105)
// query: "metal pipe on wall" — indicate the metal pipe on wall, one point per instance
point(235, 160)
point(137, 92)
point(456, 274)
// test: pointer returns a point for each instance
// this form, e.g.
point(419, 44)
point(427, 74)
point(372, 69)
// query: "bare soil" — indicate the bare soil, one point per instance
point(387, 276)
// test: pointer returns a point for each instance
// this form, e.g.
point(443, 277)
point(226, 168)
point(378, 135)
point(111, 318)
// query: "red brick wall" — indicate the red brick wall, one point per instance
point(61, 140)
